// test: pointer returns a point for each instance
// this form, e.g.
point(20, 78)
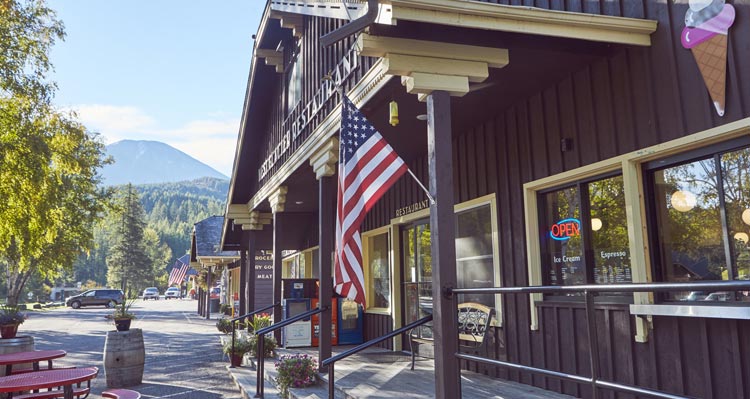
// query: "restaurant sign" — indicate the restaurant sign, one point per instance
point(298, 120)
point(564, 229)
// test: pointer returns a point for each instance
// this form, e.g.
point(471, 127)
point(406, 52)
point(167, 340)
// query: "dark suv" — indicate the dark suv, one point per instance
point(101, 296)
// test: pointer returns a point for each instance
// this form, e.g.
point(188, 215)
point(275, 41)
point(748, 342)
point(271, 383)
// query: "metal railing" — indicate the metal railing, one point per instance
point(261, 344)
point(234, 322)
point(588, 292)
point(333, 359)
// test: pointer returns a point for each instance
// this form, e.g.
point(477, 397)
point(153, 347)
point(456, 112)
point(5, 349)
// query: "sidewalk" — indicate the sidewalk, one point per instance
point(381, 374)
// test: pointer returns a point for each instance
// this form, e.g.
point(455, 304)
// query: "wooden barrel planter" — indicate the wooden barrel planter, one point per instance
point(124, 357)
point(21, 343)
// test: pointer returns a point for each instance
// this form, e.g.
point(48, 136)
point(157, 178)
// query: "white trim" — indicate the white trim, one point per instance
point(630, 166)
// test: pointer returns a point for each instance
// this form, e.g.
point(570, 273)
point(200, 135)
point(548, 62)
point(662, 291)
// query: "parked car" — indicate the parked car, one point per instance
point(172, 292)
point(151, 293)
point(720, 296)
point(98, 297)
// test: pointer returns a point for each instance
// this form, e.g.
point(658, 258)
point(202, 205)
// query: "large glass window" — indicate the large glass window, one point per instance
point(700, 211)
point(474, 254)
point(379, 283)
point(585, 234)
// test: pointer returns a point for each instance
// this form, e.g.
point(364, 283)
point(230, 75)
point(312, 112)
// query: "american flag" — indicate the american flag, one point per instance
point(368, 167)
point(178, 274)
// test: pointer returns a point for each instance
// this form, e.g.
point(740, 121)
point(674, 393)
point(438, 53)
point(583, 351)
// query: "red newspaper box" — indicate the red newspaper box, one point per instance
point(316, 322)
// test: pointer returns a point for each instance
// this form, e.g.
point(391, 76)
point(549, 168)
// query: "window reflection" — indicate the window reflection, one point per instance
point(699, 208)
point(609, 236)
point(379, 288)
point(564, 258)
point(474, 260)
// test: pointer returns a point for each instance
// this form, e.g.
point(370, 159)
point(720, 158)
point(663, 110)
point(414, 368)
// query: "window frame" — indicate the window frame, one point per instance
point(368, 275)
point(631, 165)
point(713, 152)
point(586, 240)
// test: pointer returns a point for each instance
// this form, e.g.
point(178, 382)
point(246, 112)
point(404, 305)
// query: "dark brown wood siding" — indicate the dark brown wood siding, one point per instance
point(316, 63)
point(635, 98)
point(377, 325)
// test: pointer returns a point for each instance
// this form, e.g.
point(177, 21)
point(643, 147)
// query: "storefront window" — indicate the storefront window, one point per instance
point(379, 283)
point(474, 253)
point(702, 221)
point(418, 275)
point(585, 238)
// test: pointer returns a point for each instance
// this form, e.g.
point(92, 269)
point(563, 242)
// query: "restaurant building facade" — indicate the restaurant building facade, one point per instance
point(565, 143)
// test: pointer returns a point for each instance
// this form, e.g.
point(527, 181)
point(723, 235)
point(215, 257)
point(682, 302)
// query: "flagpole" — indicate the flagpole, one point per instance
point(432, 200)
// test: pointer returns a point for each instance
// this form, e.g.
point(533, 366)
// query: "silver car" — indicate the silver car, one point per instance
point(172, 292)
point(151, 293)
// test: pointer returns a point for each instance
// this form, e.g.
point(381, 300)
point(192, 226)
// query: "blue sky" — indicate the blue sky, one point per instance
point(167, 70)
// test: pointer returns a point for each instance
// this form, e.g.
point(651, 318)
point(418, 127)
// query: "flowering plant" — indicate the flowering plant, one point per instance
point(259, 321)
point(11, 315)
point(295, 371)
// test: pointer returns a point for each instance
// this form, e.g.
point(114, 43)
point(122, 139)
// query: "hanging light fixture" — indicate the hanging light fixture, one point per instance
point(742, 236)
point(683, 201)
point(596, 224)
point(394, 113)
point(746, 216)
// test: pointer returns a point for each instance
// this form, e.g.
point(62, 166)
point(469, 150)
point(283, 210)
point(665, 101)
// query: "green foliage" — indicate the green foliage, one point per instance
point(122, 311)
point(242, 345)
point(224, 326)
point(269, 345)
point(170, 210)
point(11, 315)
point(295, 371)
point(28, 29)
point(128, 260)
point(260, 321)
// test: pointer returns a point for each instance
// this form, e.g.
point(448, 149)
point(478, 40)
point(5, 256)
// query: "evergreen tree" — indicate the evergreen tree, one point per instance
point(128, 260)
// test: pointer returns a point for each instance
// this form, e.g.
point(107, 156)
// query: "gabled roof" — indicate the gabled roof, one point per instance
point(206, 240)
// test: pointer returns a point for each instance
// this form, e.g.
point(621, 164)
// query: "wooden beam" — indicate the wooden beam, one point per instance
point(326, 237)
point(250, 282)
point(277, 234)
point(443, 245)
point(277, 199)
point(381, 46)
point(325, 158)
point(405, 65)
point(425, 83)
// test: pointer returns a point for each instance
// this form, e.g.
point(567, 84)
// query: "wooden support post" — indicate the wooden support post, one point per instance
point(326, 232)
point(243, 280)
point(277, 232)
point(250, 282)
point(442, 227)
point(209, 284)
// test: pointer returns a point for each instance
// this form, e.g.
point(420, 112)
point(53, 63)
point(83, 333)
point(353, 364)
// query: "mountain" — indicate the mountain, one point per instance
point(145, 162)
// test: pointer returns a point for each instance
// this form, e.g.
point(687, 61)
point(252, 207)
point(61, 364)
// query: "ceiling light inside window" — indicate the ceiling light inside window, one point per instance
point(683, 201)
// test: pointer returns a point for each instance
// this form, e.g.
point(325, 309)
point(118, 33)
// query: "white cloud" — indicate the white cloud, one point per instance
point(211, 141)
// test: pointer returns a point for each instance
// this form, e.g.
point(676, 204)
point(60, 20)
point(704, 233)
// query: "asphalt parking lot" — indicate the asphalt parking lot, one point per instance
point(183, 354)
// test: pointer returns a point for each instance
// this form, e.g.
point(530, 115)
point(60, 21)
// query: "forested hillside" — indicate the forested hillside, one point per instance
point(170, 209)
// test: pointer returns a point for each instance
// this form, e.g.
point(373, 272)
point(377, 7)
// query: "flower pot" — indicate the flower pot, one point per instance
point(236, 360)
point(122, 324)
point(8, 331)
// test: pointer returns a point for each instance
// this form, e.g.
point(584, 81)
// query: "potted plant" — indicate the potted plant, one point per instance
point(10, 318)
point(258, 322)
point(122, 315)
point(241, 346)
point(295, 371)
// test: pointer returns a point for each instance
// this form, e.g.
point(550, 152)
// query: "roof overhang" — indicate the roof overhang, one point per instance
point(528, 20)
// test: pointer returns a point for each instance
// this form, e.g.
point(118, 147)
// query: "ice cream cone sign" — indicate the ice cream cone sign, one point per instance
point(707, 24)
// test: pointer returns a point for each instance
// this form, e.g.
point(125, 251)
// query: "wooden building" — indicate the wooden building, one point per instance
point(208, 259)
point(566, 142)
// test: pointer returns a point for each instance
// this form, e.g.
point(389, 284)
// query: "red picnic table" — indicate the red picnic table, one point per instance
point(47, 379)
point(34, 357)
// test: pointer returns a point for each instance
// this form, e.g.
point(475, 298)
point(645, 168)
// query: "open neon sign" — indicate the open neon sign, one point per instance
point(564, 229)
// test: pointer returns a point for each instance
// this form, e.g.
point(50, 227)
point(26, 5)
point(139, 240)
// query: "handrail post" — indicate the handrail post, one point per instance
point(593, 341)
point(231, 364)
point(331, 383)
point(259, 369)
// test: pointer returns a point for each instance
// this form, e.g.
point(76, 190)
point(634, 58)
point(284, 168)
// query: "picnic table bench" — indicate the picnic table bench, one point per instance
point(474, 322)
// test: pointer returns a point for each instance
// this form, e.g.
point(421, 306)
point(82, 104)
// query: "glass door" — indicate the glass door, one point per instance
point(417, 274)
